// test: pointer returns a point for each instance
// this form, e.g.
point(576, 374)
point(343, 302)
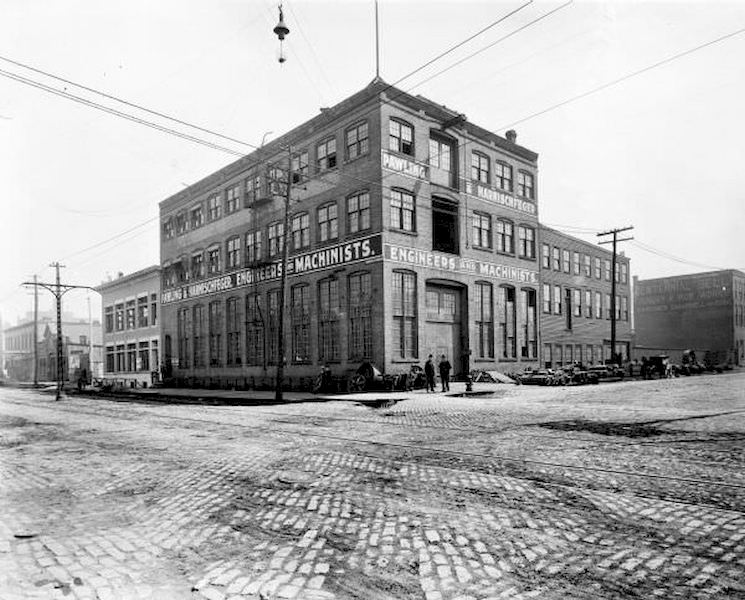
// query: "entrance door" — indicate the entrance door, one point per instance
point(442, 330)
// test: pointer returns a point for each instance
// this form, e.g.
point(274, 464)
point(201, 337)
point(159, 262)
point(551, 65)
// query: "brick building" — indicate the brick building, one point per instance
point(131, 328)
point(704, 312)
point(412, 232)
point(576, 301)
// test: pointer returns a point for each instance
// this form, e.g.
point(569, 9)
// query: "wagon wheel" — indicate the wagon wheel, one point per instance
point(357, 383)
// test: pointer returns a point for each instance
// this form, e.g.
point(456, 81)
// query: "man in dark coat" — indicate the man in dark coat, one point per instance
point(445, 368)
point(429, 374)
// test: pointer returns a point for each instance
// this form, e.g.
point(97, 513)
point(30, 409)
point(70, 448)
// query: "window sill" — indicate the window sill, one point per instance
point(483, 249)
point(527, 258)
point(512, 254)
point(349, 161)
point(403, 231)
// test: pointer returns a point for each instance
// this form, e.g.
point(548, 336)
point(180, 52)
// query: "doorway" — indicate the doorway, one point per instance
point(443, 328)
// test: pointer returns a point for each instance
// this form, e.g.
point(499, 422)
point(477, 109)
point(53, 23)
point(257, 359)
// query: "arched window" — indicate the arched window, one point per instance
point(484, 319)
point(328, 222)
point(406, 335)
point(529, 348)
point(300, 228)
point(358, 212)
point(508, 322)
point(505, 236)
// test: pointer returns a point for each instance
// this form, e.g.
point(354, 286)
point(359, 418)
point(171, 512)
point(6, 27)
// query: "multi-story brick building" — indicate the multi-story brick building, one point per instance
point(704, 312)
point(412, 232)
point(131, 328)
point(575, 309)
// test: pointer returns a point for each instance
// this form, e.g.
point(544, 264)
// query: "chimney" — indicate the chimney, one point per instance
point(120, 274)
point(511, 136)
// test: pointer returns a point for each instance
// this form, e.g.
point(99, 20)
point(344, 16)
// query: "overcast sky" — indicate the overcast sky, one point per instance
point(662, 151)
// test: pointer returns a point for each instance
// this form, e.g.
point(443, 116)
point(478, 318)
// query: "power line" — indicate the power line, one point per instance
point(625, 77)
point(667, 255)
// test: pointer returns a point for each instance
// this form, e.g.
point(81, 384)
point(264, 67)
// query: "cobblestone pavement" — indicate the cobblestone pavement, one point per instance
point(627, 490)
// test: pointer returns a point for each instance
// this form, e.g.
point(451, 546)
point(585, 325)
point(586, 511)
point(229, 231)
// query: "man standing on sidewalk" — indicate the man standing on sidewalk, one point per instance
point(445, 368)
point(429, 374)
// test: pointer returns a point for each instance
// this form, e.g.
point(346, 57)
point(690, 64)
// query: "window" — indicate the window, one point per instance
point(568, 307)
point(588, 304)
point(328, 223)
point(503, 176)
point(214, 207)
point(546, 298)
point(300, 167)
point(547, 355)
point(529, 347)
point(617, 308)
point(120, 362)
point(277, 181)
point(110, 357)
point(232, 198)
point(360, 316)
point(197, 265)
point(168, 228)
point(181, 223)
point(479, 167)
point(481, 230)
point(155, 359)
point(443, 162)
point(556, 258)
point(559, 354)
point(356, 140)
point(215, 333)
point(326, 154)
point(328, 320)
point(253, 190)
point(598, 271)
point(624, 308)
point(253, 246)
point(587, 265)
point(144, 356)
point(577, 303)
point(198, 335)
point(213, 260)
point(445, 227)
point(153, 310)
point(607, 307)
point(624, 272)
point(254, 331)
point(300, 231)
point(525, 187)
point(275, 237)
point(130, 314)
point(509, 323)
point(565, 261)
point(233, 253)
point(402, 210)
point(598, 305)
point(131, 357)
point(589, 354)
point(404, 314)
point(545, 256)
point(108, 319)
point(358, 212)
point(142, 311)
point(526, 236)
point(607, 266)
point(233, 330)
point(484, 320)
point(300, 323)
point(401, 137)
point(576, 264)
point(557, 300)
point(197, 216)
point(183, 332)
point(181, 269)
point(505, 236)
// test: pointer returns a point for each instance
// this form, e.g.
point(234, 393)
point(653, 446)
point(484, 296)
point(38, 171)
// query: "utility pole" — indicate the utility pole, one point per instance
point(36, 334)
point(283, 284)
point(614, 241)
point(58, 289)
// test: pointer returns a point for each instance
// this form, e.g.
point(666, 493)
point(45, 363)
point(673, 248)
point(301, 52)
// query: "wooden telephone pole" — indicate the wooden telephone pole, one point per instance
point(614, 241)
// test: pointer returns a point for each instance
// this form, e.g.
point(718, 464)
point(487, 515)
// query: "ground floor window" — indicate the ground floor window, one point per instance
point(404, 314)
point(198, 335)
point(131, 357)
point(215, 333)
point(328, 320)
point(233, 331)
point(183, 326)
point(274, 314)
point(589, 356)
point(530, 330)
point(110, 359)
point(485, 320)
point(360, 316)
point(547, 355)
point(120, 364)
point(254, 331)
point(144, 358)
point(300, 323)
point(508, 325)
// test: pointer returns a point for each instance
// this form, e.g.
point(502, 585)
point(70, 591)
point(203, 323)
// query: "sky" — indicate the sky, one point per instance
point(661, 151)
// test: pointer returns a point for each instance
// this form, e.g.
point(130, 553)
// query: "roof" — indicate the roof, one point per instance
point(126, 279)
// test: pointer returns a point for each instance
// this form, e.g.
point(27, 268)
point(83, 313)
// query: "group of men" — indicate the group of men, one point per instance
point(429, 373)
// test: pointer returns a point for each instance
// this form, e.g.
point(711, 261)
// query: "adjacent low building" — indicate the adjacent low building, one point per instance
point(704, 312)
point(131, 328)
point(576, 288)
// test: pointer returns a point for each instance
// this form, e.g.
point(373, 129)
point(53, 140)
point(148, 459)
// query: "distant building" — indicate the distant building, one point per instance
point(704, 312)
point(131, 331)
point(575, 312)
point(81, 351)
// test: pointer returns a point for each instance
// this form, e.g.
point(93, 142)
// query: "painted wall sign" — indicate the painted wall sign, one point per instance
point(355, 251)
point(394, 162)
point(491, 194)
point(457, 264)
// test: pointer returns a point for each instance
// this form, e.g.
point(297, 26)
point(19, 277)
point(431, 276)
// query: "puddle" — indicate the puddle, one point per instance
point(630, 430)
point(380, 402)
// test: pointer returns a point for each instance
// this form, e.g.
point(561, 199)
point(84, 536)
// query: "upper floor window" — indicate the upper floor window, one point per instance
point(214, 207)
point(598, 270)
point(479, 167)
point(556, 258)
point(232, 198)
point(326, 154)
point(402, 210)
point(181, 223)
point(108, 319)
point(546, 256)
point(197, 216)
point(253, 190)
point(503, 176)
point(607, 269)
point(586, 265)
point(277, 180)
point(197, 265)
point(482, 230)
point(357, 140)
point(300, 167)
point(565, 261)
point(624, 272)
point(168, 228)
point(440, 154)
point(505, 236)
point(233, 252)
point(275, 237)
point(445, 227)
point(547, 298)
point(328, 223)
point(575, 263)
point(213, 260)
point(358, 212)
point(527, 241)
point(525, 185)
point(300, 231)
point(253, 246)
point(401, 137)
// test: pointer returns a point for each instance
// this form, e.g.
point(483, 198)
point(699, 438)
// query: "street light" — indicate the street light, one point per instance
point(281, 30)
